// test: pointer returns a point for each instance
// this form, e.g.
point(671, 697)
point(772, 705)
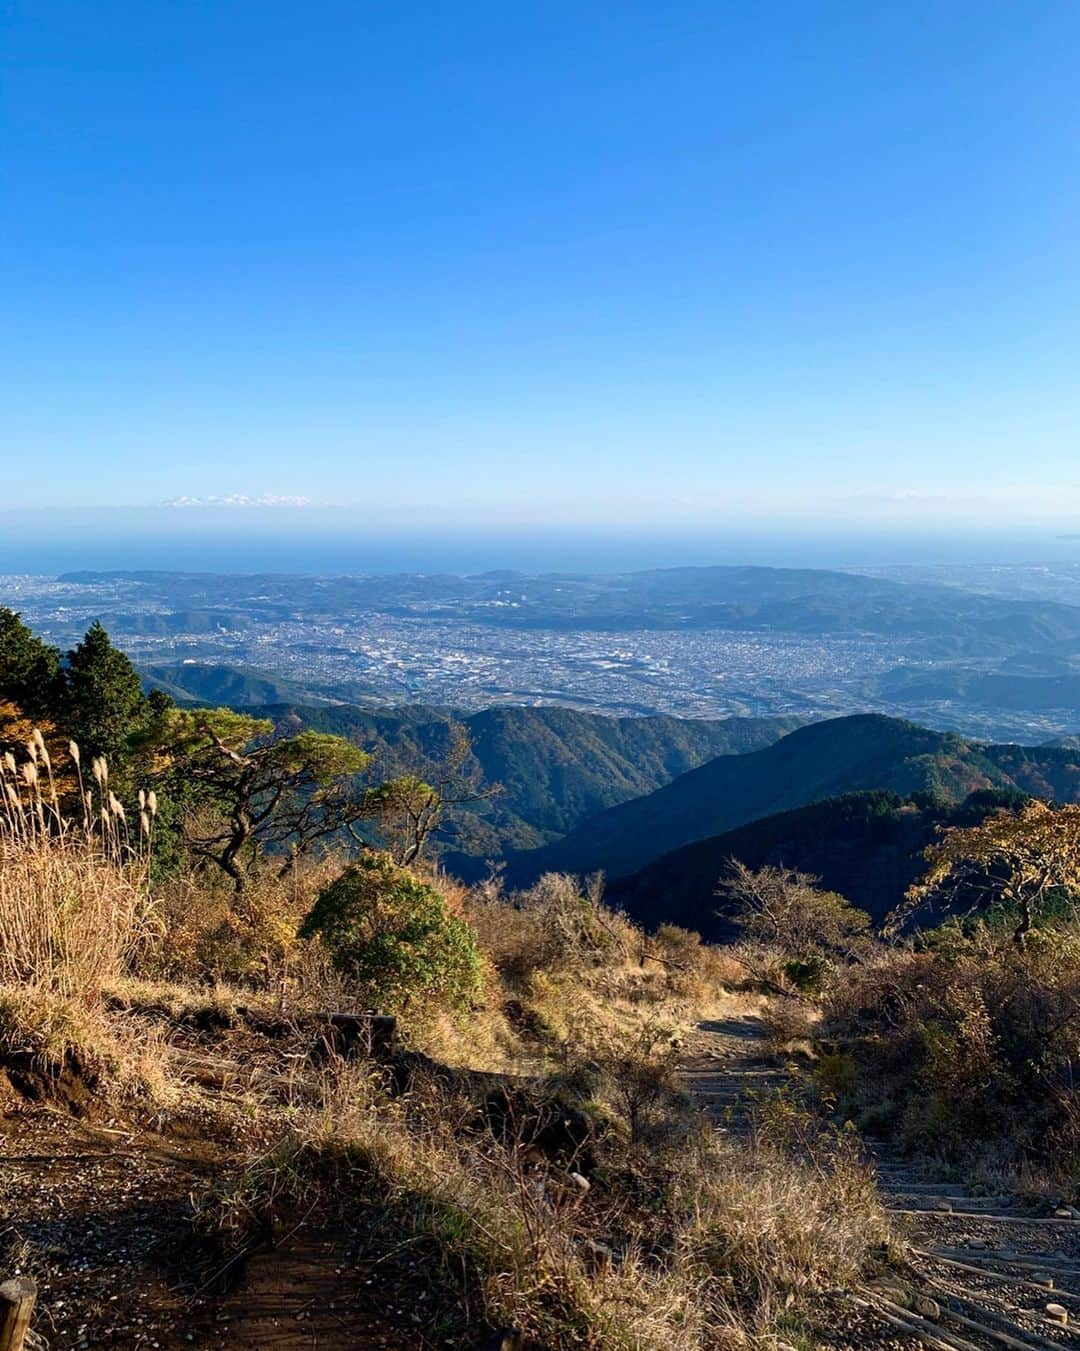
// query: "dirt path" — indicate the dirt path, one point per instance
point(99, 1216)
point(982, 1269)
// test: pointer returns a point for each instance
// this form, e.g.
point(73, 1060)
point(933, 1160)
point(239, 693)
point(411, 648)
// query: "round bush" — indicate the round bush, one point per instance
point(393, 934)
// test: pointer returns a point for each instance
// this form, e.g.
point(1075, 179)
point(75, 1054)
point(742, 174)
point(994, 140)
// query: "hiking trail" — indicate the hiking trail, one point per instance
point(984, 1270)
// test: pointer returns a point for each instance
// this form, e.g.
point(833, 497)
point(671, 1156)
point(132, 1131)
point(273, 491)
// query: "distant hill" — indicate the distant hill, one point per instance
point(557, 766)
point(787, 600)
point(228, 686)
point(825, 759)
point(867, 846)
point(997, 690)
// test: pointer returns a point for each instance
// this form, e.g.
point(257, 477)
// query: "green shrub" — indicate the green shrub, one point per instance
point(809, 974)
point(394, 935)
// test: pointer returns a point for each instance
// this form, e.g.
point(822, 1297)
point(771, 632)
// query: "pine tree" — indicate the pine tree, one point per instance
point(105, 703)
point(29, 668)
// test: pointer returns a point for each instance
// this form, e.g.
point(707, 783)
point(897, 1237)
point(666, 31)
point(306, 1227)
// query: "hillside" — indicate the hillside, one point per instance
point(867, 846)
point(557, 766)
point(823, 760)
point(230, 686)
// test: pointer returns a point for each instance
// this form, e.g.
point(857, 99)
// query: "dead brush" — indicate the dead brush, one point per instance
point(788, 1023)
point(790, 1214)
point(559, 924)
point(973, 1043)
point(636, 1070)
point(509, 1241)
point(75, 914)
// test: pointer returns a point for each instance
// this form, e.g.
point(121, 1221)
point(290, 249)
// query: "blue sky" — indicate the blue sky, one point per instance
point(607, 264)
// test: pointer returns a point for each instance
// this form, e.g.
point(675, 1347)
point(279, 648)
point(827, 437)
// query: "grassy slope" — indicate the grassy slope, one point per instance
point(232, 686)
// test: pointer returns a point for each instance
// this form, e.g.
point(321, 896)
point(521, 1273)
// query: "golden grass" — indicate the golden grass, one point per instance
point(74, 906)
point(774, 1226)
point(710, 1244)
point(114, 1057)
point(75, 912)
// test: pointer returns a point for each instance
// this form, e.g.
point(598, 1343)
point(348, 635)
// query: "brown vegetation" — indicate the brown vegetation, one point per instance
point(531, 1139)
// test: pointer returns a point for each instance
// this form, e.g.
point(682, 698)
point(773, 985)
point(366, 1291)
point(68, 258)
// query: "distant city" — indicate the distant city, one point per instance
point(988, 651)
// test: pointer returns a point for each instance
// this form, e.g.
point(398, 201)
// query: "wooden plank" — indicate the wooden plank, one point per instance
point(17, 1298)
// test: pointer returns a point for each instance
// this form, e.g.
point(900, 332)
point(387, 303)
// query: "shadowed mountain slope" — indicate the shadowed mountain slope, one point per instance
point(867, 846)
point(825, 759)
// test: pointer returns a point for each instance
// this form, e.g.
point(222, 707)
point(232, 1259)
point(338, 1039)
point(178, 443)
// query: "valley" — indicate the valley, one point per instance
point(540, 678)
point(690, 642)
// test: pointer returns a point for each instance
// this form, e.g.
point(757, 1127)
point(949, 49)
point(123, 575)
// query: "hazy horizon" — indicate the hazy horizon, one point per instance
point(280, 540)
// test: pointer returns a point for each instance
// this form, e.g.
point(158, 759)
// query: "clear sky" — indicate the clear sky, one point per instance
point(619, 263)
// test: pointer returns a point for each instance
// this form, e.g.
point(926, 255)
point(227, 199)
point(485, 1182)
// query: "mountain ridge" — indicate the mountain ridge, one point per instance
point(860, 752)
point(557, 766)
point(867, 846)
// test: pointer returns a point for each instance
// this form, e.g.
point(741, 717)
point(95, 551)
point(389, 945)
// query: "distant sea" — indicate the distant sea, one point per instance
point(291, 541)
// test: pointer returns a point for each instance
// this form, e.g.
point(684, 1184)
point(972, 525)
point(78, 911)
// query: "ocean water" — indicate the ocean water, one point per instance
point(294, 541)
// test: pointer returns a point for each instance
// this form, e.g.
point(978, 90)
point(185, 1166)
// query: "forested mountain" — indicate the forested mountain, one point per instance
point(556, 766)
point(826, 759)
point(866, 846)
point(232, 686)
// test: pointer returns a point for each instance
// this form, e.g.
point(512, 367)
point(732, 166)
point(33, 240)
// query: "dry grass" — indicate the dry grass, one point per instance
point(568, 974)
point(792, 1214)
point(210, 935)
point(679, 1242)
point(75, 914)
point(75, 907)
point(93, 1054)
point(707, 1245)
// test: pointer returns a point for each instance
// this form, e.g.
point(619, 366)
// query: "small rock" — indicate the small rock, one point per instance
point(977, 1243)
point(581, 1183)
point(1063, 1213)
point(945, 1206)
